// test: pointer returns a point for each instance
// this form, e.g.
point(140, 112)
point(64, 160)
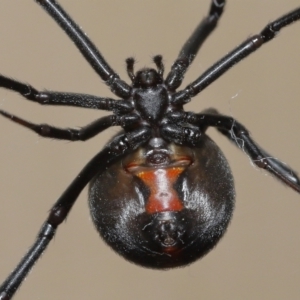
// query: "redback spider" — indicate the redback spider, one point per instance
point(183, 195)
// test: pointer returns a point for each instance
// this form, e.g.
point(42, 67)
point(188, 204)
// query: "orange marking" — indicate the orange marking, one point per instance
point(163, 197)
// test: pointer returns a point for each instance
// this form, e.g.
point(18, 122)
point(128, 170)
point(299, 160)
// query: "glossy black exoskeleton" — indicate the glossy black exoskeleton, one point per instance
point(157, 208)
point(161, 191)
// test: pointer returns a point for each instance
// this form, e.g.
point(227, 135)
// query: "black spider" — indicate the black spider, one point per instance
point(161, 191)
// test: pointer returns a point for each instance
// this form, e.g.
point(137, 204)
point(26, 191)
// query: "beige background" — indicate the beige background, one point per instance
point(258, 258)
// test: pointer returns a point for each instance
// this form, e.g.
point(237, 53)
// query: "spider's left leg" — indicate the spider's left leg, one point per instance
point(240, 136)
point(87, 48)
point(72, 134)
point(62, 98)
point(193, 44)
point(119, 147)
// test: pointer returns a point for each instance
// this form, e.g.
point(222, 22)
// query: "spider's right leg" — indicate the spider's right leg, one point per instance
point(240, 136)
point(119, 147)
point(193, 44)
point(67, 99)
point(235, 56)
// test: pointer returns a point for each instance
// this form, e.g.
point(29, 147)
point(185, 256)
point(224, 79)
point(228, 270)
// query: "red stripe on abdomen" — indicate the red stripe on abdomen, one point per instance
point(162, 197)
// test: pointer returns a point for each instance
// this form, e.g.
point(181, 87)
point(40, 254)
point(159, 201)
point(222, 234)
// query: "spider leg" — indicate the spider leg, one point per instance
point(119, 147)
point(240, 136)
point(181, 135)
point(72, 134)
point(235, 56)
point(87, 48)
point(193, 44)
point(67, 99)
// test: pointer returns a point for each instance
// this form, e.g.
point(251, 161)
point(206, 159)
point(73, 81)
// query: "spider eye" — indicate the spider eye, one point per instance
point(147, 78)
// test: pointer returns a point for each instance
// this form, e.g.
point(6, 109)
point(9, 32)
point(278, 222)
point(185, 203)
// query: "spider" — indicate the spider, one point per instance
point(177, 194)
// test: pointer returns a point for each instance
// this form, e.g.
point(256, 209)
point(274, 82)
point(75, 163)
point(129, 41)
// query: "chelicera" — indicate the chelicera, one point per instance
point(161, 192)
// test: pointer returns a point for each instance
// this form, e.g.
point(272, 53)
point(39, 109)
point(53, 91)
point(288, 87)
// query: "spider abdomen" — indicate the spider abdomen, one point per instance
point(164, 213)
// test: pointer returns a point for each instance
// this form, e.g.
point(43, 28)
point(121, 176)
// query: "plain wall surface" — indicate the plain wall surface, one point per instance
point(259, 256)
